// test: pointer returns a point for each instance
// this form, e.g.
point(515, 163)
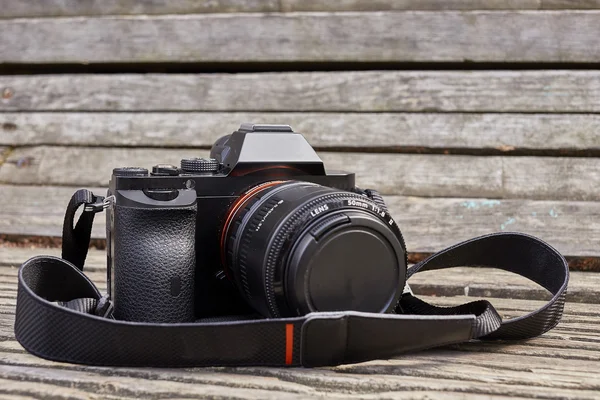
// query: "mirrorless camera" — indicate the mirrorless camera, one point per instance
point(259, 228)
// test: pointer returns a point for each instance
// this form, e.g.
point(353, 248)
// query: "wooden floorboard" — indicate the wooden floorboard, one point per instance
point(448, 36)
point(386, 132)
point(63, 8)
point(560, 364)
point(545, 91)
point(428, 224)
point(564, 178)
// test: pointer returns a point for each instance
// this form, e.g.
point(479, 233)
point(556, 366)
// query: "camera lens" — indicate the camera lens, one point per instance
point(297, 247)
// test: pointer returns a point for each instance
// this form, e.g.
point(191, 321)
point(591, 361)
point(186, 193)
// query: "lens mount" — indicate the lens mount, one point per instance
point(298, 247)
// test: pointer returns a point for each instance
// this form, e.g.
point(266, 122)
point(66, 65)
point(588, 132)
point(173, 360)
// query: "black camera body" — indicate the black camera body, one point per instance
point(260, 227)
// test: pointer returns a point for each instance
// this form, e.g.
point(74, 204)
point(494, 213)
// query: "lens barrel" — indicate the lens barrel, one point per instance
point(297, 247)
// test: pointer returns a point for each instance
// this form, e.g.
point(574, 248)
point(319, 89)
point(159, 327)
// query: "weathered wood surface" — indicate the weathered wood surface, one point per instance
point(65, 8)
point(449, 36)
point(384, 132)
point(4, 151)
point(500, 127)
point(39, 210)
point(363, 91)
point(428, 224)
point(15, 256)
point(434, 5)
point(62, 8)
point(473, 282)
point(566, 178)
point(561, 364)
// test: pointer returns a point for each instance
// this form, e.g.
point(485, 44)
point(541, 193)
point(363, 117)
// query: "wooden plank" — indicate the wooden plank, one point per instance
point(82, 384)
point(450, 36)
point(386, 131)
point(484, 283)
point(317, 382)
point(434, 5)
point(39, 211)
point(565, 178)
point(363, 91)
point(332, 384)
point(474, 282)
point(13, 257)
point(431, 224)
point(428, 224)
point(65, 8)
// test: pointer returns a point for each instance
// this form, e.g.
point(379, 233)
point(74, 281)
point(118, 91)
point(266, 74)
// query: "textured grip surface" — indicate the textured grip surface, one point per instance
point(154, 264)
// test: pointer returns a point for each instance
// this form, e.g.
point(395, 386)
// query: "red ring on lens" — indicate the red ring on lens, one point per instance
point(236, 206)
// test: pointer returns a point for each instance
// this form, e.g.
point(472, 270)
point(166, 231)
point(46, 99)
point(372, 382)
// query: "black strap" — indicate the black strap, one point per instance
point(61, 315)
point(76, 238)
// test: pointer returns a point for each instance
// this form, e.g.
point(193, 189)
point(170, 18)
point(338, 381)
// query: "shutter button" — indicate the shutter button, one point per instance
point(165, 170)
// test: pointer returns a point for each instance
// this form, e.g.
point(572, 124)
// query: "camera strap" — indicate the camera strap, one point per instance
point(61, 315)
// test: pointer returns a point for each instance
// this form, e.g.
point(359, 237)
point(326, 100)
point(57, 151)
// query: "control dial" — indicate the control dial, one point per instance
point(199, 165)
point(130, 171)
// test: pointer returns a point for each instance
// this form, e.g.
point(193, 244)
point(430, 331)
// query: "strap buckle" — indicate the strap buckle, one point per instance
point(100, 204)
point(104, 307)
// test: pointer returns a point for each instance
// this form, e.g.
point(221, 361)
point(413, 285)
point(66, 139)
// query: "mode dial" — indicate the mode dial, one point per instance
point(199, 165)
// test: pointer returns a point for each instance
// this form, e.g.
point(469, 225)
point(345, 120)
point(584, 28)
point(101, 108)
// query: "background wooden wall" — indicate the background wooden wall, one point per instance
point(469, 116)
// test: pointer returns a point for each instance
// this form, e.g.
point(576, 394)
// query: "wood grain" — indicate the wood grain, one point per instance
point(39, 211)
point(362, 91)
point(565, 178)
point(450, 36)
point(317, 382)
point(63, 8)
point(4, 152)
point(377, 131)
point(428, 224)
point(435, 5)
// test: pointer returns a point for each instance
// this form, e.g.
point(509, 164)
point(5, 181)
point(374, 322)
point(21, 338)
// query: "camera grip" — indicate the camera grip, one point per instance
point(154, 263)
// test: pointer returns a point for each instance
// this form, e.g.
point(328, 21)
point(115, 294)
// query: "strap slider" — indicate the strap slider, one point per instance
point(104, 307)
point(406, 292)
point(100, 204)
